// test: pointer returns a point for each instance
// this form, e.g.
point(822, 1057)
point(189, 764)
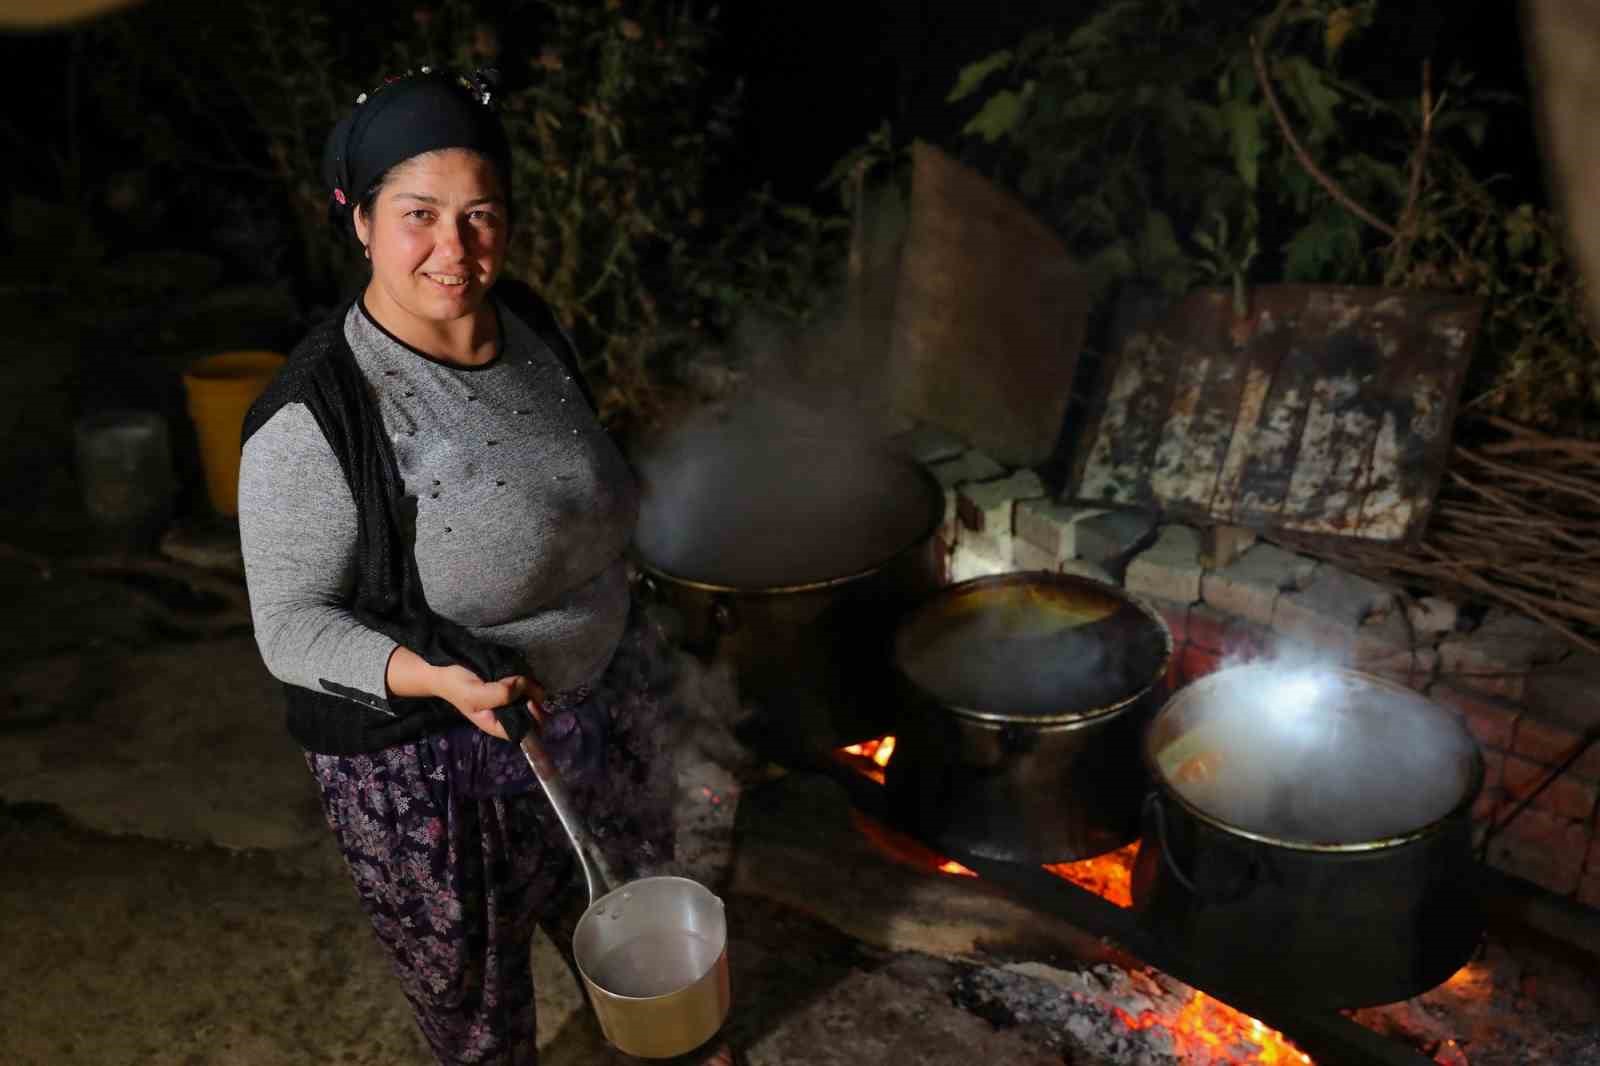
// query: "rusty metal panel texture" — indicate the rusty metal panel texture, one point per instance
point(989, 318)
point(1324, 410)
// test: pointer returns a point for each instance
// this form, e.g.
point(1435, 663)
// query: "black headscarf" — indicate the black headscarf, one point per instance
point(405, 117)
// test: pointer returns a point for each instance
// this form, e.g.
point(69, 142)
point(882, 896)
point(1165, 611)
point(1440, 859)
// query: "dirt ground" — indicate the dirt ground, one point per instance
point(170, 895)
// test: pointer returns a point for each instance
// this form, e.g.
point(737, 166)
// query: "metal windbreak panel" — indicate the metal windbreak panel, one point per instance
point(1323, 410)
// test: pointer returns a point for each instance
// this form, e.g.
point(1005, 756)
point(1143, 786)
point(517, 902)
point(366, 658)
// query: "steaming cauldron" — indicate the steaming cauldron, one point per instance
point(1310, 836)
point(793, 557)
point(1021, 701)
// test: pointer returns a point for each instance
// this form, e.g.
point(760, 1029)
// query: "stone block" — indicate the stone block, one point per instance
point(1382, 634)
point(1328, 612)
point(1051, 526)
point(986, 506)
point(1433, 617)
point(1498, 656)
point(1092, 571)
point(1567, 796)
point(928, 444)
point(1169, 569)
point(896, 424)
point(1547, 741)
point(1414, 669)
point(965, 467)
point(1223, 544)
point(1249, 586)
point(970, 560)
point(1491, 720)
point(1028, 556)
point(1110, 538)
point(1543, 848)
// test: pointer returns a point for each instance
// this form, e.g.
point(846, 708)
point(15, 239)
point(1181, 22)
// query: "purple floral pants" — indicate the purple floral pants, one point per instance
point(457, 856)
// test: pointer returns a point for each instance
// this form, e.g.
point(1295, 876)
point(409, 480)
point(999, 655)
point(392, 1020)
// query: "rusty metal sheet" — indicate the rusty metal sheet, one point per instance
point(989, 315)
point(1324, 410)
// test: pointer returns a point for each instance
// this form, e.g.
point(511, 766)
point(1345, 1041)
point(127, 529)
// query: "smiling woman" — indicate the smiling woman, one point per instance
point(433, 524)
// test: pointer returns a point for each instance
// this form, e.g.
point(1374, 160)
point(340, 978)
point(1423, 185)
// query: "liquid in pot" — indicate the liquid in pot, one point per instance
point(1313, 756)
point(656, 963)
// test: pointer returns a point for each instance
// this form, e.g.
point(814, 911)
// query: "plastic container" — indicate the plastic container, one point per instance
point(125, 474)
point(221, 389)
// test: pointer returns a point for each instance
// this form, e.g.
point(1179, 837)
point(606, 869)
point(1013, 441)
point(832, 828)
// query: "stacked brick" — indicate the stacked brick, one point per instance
point(1227, 598)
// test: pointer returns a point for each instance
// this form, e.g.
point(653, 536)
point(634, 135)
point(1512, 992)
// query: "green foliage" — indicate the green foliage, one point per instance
point(614, 127)
point(1143, 134)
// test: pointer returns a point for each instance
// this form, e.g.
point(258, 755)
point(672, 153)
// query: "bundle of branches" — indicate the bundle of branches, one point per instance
point(1516, 523)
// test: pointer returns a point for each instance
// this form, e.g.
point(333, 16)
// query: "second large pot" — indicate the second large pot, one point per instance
point(1021, 702)
point(1309, 835)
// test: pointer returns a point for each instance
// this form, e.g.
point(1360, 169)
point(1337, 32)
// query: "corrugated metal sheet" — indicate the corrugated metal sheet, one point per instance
point(1326, 410)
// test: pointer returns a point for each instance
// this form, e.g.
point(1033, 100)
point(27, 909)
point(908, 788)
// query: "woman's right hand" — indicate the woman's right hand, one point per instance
point(477, 699)
point(409, 674)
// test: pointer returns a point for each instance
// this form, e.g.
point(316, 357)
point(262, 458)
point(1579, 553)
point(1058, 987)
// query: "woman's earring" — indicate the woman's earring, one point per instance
point(366, 250)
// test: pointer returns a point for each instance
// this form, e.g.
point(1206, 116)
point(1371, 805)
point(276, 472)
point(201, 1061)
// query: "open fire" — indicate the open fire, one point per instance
point(1203, 1030)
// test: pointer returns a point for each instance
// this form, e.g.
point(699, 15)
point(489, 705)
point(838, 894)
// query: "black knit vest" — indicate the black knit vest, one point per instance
point(322, 374)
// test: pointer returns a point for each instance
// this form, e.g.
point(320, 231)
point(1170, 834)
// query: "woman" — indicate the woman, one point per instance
point(433, 526)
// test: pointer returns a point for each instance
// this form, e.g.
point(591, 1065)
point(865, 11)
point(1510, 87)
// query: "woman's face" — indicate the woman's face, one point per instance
point(436, 236)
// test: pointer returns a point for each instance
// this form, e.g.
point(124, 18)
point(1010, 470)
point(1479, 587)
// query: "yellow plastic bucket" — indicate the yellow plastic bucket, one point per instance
point(221, 389)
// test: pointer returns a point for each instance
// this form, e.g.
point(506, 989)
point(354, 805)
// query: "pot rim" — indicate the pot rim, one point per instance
point(936, 516)
point(1072, 718)
point(617, 997)
point(1462, 807)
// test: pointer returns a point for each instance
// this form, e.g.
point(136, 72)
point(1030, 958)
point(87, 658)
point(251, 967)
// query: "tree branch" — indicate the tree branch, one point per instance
point(1333, 188)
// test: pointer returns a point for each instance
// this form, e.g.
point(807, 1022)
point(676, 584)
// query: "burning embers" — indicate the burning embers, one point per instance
point(1191, 1026)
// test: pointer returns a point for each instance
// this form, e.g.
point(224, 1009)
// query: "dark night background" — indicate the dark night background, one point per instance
point(819, 76)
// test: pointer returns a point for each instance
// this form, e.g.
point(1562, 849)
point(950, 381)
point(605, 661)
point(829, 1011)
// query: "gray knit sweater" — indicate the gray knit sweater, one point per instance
point(524, 508)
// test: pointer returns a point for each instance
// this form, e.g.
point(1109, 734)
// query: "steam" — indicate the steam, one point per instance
point(788, 481)
point(1295, 750)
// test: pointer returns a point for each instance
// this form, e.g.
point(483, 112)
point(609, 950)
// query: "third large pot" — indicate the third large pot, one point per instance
point(1022, 700)
point(1310, 835)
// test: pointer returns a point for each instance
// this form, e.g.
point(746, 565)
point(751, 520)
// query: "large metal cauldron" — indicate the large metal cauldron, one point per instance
point(1022, 698)
point(793, 559)
point(1310, 834)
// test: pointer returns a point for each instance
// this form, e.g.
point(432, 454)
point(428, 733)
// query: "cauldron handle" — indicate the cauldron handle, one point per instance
point(1158, 817)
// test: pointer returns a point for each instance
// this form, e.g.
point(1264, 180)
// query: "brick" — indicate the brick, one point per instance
point(1208, 627)
point(966, 467)
point(1221, 545)
point(1567, 796)
point(1198, 662)
point(1329, 611)
point(929, 444)
point(1169, 569)
point(1567, 691)
point(986, 506)
point(1487, 808)
point(1111, 538)
point(1547, 741)
point(1433, 616)
point(1052, 526)
point(1498, 656)
point(1249, 586)
point(1543, 848)
point(1490, 720)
